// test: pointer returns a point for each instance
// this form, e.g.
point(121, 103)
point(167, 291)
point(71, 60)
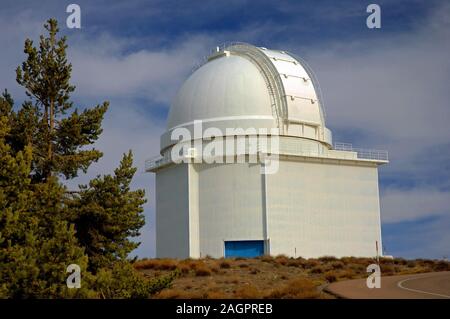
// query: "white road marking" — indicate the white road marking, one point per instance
point(400, 285)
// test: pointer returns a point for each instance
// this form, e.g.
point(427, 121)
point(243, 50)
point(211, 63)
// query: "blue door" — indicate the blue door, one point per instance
point(244, 248)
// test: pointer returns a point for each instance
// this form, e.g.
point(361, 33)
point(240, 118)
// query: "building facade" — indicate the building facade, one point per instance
point(286, 190)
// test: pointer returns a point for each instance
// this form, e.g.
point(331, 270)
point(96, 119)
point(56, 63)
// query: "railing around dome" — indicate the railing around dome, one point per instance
point(379, 155)
point(157, 161)
point(212, 51)
point(288, 149)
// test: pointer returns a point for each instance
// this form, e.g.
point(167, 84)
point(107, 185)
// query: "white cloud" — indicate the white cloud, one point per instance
point(394, 91)
point(102, 69)
point(413, 204)
point(428, 238)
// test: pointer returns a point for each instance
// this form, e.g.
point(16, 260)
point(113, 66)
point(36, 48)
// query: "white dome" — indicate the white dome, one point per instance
point(222, 88)
point(242, 86)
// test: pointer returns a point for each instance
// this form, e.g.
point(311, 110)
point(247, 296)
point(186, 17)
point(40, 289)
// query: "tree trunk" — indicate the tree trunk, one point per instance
point(50, 132)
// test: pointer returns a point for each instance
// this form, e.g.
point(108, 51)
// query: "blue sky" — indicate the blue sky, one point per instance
point(385, 88)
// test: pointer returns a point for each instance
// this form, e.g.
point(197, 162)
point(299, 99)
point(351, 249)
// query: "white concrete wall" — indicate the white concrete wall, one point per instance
point(317, 209)
point(172, 212)
point(312, 209)
point(230, 205)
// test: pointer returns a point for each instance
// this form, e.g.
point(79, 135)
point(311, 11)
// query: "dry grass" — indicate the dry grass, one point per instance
point(202, 271)
point(157, 264)
point(266, 258)
point(184, 269)
point(248, 292)
point(337, 265)
point(179, 294)
point(318, 270)
point(216, 294)
point(311, 263)
point(300, 288)
point(327, 259)
point(254, 271)
point(330, 276)
point(281, 260)
point(270, 277)
point(346, 274)
point(442, 266)
point(232, 280)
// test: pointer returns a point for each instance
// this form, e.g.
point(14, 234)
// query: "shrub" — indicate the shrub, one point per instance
point(170, 294)
point(330, 276)
point(215, 270)
point(399, 261)
point(311, 263)
point(442, 266)
point(295, 263)
point(387, 269)
point(357, 261)
point(248, 292)
point(122, 281)
point(281, 260)
point(254, 271)
point(317, 270)
point(215, 294)
point(156, 264)
point(162, 282)
point(184, 269)
point(327, 259)
point(179, 294)
point(347, 274)
point(195, 264)
point(202, 271)
point(358, 269)
point(425, 262)
point(299, 288)
point(266, 258)
point(224, 264)
point(232, 280)
point(337, 265)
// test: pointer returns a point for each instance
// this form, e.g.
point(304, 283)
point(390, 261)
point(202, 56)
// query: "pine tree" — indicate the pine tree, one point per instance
point(43, 226)
point(107, 214)
point(58, 138)
point(34, 252)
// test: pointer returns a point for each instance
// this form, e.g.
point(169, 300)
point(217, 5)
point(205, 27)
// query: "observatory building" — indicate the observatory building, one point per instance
point(282, 188)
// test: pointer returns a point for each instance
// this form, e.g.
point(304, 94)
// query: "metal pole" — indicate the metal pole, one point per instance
point(376, 247)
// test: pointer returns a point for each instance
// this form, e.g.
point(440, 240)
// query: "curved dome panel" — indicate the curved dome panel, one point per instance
point(243, 86)
point(227, 87)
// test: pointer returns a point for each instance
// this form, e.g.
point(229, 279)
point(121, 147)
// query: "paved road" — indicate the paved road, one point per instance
point(434, 285)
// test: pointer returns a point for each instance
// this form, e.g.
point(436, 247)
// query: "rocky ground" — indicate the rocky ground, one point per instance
point(271, 277)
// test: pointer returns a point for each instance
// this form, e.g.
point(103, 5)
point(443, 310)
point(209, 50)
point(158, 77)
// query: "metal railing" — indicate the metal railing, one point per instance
point(218, 48)
point(157, 161)
point(288, 149)
point(379, 155)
